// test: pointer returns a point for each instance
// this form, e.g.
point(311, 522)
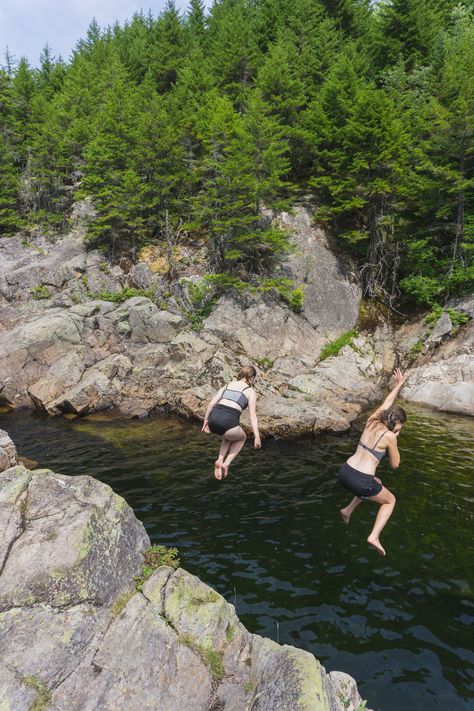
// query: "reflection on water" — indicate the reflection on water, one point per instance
point(271, 541)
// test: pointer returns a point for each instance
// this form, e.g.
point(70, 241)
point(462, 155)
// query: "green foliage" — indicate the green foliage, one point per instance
point(295, 301)
point(333, 348)
point(202, 127)
point(43, 696)
point(120, 603)
point(119, 297)
point(199, 291)
point(212, 658)
point(265, 363)
point(154, 557)
point(41, 291)
point(457, 317)
point(417, 348)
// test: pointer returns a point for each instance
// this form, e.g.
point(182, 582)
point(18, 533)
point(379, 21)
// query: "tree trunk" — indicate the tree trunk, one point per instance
point(460, 211)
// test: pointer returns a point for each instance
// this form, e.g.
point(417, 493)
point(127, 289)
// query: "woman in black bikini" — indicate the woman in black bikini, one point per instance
point(223, 418)
point(358, 473)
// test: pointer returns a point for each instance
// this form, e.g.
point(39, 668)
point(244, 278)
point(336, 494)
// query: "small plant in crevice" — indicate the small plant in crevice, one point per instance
point(120, 603)
point(41, 291)
point(333, 348)
point(154, 557)
point(42, 698)
point(119, 297)
point(457, 317)
point(265, 363)
point(212, 658)
point(295, 301)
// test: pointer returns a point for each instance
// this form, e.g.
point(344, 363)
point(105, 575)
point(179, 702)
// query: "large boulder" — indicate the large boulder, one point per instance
point(331, 294)
point(446, 379)
point(77, 633)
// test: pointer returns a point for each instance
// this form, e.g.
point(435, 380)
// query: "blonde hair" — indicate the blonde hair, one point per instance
point(248, 373)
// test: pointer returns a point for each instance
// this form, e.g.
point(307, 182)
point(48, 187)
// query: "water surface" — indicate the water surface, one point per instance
point(271, 541)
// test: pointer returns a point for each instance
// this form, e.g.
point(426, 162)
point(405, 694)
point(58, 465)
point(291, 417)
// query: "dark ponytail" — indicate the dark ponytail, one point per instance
point(391, 417)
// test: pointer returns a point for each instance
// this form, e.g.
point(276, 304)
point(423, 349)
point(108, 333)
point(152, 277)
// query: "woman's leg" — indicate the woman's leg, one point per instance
point(347, 512)
point(225, 445)
point(236, 437)
point(387, 503)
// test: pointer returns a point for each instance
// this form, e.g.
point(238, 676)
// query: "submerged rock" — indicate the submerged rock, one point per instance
point(77, 633)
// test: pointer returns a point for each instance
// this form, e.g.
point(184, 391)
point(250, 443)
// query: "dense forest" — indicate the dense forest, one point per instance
point(207, 122)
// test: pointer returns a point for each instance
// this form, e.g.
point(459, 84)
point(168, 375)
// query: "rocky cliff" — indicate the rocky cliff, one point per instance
point(84, 626)
point(78, 336)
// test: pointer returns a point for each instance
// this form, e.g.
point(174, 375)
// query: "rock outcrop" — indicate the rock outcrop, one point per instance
point(77, 632)
point(67, 344)
point(443, 374)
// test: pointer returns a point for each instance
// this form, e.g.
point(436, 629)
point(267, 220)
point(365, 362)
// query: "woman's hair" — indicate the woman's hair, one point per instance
point(247, 373)
point(390, 418)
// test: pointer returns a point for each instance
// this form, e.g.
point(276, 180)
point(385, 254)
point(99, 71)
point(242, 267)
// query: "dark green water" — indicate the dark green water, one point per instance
point(271, 541)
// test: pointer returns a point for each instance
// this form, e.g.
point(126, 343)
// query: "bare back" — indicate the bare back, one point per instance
point(374, 436)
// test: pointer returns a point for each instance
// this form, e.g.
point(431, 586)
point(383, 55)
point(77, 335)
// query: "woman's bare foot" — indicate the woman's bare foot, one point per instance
point(225, 470)
point(373, 541)
point(345, 517)
point(218, 469)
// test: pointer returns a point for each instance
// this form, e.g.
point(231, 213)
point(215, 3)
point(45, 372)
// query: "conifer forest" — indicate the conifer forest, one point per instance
point(205, 123)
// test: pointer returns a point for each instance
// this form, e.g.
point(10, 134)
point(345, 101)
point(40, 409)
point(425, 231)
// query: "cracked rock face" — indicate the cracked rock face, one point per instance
point(63, 349)
point(75, 633)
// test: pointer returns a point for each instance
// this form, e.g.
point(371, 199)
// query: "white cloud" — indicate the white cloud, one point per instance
point(26, 26)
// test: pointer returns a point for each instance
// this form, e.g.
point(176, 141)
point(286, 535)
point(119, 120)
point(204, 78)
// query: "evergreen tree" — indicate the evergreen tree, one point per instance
point(363, 175)
point(168, 51)
point(234, 52)
point(243, 169)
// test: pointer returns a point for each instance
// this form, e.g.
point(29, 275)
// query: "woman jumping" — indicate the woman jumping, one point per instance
point(223, 418)
point(358, 473)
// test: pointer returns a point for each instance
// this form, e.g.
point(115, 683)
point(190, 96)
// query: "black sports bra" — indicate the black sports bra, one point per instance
point(236, 396)
point(372, 450)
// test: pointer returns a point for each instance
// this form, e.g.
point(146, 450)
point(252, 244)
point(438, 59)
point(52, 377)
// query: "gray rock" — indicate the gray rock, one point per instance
point(75, 633)
point(141, 276)
point(345, 692)
point(446, 380)
point(8, 455)
point(76, 541)
point(441, 331)
point(331, 297)
point(82, 212)
point(465, 305)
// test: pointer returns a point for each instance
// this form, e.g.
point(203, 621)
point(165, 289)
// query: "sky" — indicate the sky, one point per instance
point(26, 26)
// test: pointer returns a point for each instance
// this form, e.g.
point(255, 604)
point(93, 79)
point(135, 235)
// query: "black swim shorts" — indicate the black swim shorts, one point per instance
point(362, 485)
point(223, 418)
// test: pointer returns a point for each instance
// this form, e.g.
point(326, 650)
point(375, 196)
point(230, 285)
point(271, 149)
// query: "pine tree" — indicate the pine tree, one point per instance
point(361, 172)
point(168, 51)
point(242, 170)
point(234, 52)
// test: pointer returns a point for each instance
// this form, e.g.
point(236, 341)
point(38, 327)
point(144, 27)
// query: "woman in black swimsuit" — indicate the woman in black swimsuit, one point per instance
point(223, 418)
point(358, 473)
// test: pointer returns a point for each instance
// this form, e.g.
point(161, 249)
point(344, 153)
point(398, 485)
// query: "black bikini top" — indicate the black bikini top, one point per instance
point(372, 450)
point(236, 396)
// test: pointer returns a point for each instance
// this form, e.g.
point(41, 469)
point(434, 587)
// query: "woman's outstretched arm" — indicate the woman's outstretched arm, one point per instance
point(400, 379)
